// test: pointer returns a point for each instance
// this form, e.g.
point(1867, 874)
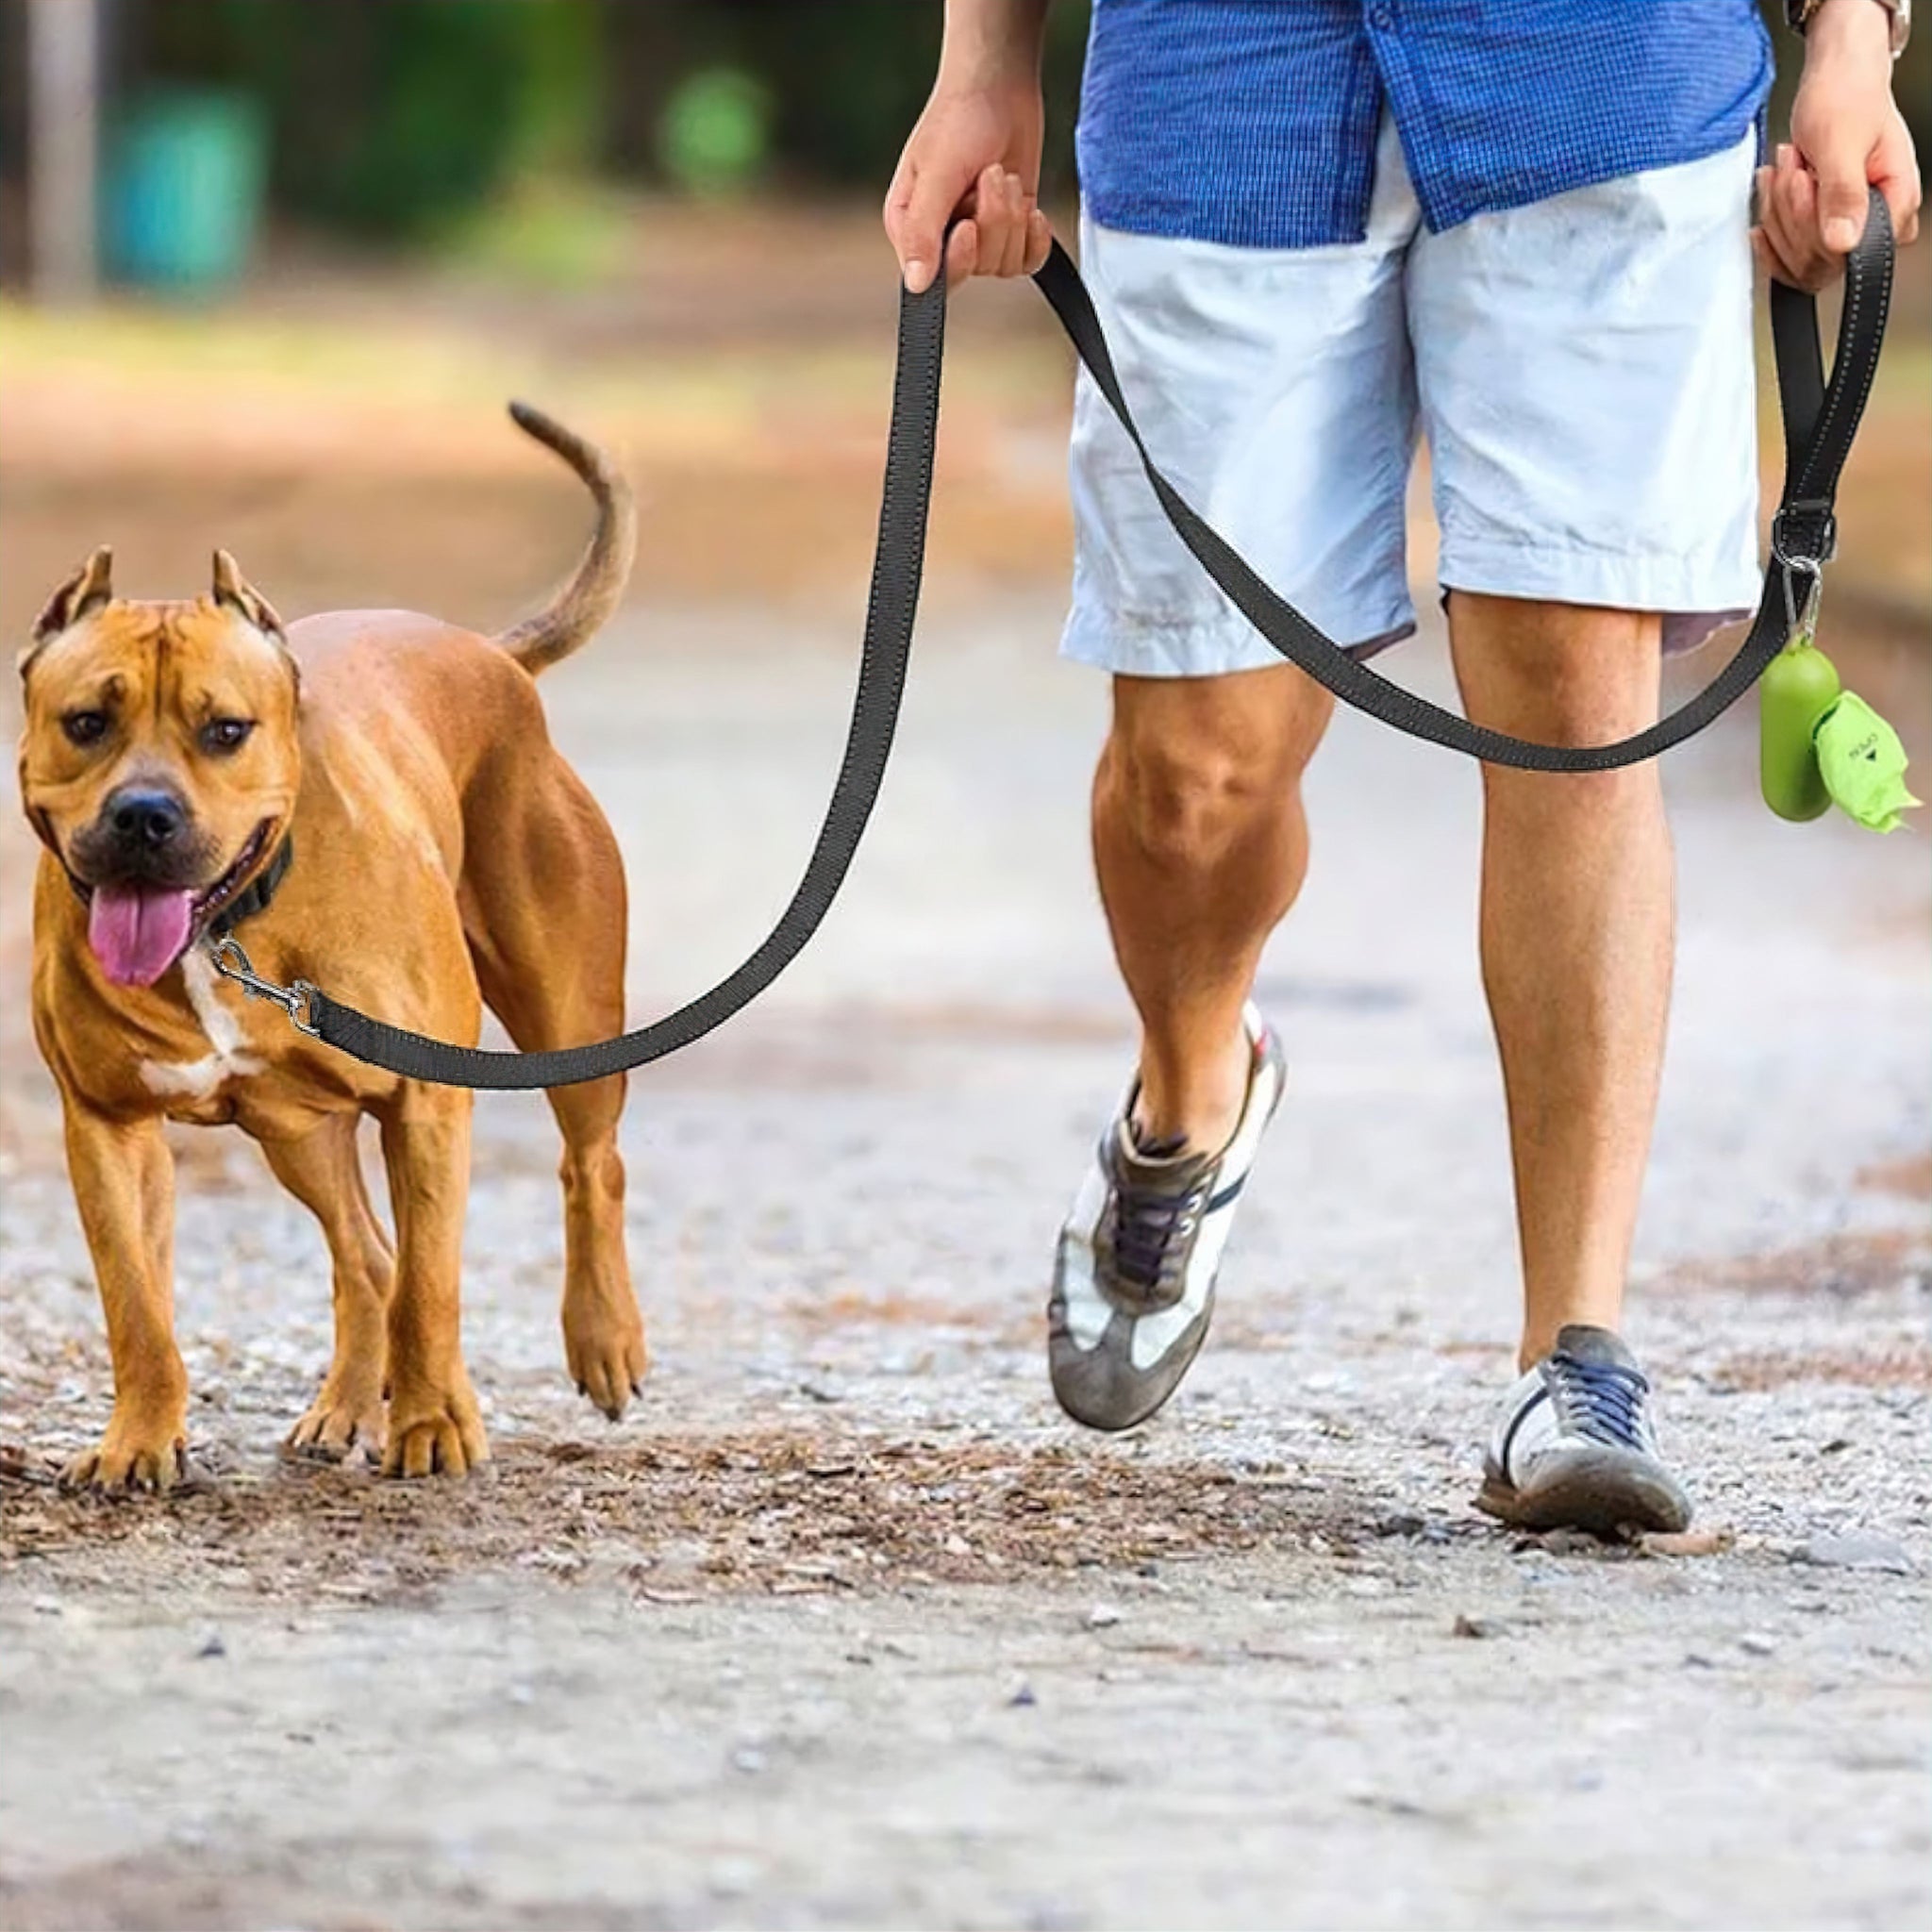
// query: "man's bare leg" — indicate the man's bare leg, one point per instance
point(1201, 847)
point(1576, 938)
point(1200, 844)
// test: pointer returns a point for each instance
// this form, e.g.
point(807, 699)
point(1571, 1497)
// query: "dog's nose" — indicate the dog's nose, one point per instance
point(150, 820)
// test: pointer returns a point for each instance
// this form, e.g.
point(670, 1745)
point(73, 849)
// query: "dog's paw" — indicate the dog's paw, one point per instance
point(606, 1353)
point(435, 1432)
point(131, 1458)
point(339, 1423)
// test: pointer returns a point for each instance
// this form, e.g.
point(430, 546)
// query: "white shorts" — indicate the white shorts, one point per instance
point(1582, 368)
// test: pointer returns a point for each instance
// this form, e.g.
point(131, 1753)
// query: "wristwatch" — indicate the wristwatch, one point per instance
point(1798, 17)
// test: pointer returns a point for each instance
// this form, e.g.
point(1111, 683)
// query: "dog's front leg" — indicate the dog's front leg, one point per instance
point(123, 1183)
point(434, 1425)
point(322, 1170)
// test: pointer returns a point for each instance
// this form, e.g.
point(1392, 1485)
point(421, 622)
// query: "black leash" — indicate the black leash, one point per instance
point(1820, 420)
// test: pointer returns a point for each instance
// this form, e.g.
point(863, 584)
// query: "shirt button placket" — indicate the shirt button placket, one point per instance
point(1382, 18)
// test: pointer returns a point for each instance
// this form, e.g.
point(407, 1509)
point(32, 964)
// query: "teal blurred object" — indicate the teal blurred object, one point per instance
point(183, 195)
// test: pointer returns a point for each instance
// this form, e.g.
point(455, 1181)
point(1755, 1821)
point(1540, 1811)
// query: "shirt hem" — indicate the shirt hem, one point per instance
point(1252, 224)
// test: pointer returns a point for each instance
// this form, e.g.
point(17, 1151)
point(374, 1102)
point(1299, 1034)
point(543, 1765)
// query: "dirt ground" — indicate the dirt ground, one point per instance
point(843, 1626)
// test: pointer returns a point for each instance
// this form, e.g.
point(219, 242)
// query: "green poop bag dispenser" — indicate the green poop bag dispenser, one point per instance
point(1820, 745)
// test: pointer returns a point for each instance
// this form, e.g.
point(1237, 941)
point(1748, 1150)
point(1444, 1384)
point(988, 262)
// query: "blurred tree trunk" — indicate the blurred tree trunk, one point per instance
point(63, 130)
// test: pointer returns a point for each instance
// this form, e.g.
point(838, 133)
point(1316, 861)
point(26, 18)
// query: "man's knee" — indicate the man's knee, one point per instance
point(1559, 674)
point(1193, 767)
point(1562, 673)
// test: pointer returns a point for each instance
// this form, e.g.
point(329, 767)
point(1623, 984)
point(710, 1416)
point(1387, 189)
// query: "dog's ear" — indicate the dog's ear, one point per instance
point(232, 589)
point(86, 589)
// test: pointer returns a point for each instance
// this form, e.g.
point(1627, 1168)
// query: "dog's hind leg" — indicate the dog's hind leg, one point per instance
point(603, 1328)
point(548, 941)
point(323, 1172)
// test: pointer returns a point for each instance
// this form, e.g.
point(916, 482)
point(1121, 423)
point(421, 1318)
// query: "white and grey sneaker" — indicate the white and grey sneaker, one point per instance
point(1133, 1281)
point(1574, 1447)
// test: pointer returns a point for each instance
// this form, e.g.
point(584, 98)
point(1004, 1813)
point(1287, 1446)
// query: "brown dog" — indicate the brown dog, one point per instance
point(429, 853)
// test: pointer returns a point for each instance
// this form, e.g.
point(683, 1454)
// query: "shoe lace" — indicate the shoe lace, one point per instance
point(1601, 1401)
point(1146, 1235)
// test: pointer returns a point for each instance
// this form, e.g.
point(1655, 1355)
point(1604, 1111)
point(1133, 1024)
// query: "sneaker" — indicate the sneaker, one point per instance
point(1133, 1281)
point(1574, 1447)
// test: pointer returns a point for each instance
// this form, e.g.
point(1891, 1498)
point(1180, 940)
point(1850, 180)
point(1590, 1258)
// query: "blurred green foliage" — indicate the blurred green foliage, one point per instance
point(395, 118)
point(716, 131)
point(391, 117)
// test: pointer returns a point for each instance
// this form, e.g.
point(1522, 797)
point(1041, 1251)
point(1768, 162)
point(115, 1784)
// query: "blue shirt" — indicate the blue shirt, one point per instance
point(1252, 122)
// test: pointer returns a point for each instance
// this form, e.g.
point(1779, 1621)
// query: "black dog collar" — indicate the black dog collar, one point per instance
point(254, 897)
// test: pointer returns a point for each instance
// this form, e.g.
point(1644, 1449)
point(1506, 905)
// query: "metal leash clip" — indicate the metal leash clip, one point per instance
point(1804, 538)
point(231, 962)
point(1801, 625)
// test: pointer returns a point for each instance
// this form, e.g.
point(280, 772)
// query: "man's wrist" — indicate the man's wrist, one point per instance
point(1855, 26)
point(992, 44)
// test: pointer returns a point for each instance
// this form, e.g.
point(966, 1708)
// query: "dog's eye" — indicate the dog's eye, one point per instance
point(85, 727)
point(226, 734)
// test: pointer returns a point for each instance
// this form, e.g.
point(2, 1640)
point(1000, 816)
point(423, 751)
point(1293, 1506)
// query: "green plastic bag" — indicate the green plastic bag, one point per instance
point(1862, 764)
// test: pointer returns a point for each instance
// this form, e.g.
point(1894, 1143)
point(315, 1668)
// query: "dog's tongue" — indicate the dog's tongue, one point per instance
point(137, 932)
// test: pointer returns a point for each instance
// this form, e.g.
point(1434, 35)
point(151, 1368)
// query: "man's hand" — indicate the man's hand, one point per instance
point(975, 152)
point(1847, 135)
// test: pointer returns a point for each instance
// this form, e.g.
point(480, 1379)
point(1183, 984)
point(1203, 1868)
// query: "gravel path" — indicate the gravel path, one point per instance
point(843, 1626)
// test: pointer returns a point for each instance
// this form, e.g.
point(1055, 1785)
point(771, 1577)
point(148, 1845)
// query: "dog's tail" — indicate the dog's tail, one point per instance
point(578, 610)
